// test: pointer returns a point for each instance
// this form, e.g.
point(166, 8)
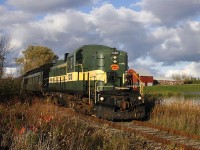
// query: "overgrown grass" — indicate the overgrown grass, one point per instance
point(44, 126)
point(183, 116)
point(167, 90)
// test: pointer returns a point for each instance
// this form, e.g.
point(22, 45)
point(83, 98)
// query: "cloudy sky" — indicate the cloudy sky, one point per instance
point(161, 36)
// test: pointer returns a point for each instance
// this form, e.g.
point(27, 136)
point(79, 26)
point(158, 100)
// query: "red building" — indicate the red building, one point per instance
point(145, 76)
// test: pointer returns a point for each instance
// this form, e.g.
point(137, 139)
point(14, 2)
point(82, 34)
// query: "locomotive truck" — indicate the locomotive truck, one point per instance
point(93, 79)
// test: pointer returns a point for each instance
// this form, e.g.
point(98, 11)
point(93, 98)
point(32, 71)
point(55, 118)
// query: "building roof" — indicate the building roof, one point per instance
point(143, 72)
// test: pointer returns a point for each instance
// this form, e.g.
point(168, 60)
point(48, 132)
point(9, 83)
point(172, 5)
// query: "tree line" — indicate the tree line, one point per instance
point(186, 78)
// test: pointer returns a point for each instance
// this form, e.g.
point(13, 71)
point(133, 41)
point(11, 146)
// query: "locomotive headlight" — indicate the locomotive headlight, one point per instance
point(114, 57)
point(139, 97)
point(114, 61)
point(102, 99)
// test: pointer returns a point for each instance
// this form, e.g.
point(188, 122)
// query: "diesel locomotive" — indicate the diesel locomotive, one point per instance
point(93, 79)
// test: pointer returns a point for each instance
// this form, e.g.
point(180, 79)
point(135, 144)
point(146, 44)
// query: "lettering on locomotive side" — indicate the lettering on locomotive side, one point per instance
point(115, 53)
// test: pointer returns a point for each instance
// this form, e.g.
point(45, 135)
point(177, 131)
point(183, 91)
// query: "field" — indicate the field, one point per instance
point(173, 90)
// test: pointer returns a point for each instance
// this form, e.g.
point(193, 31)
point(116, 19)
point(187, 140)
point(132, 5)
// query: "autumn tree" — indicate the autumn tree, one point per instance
point(5, 49)
point(35, 56)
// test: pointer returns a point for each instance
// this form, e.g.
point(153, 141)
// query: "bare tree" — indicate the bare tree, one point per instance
point(180, 76)
point(5, 49)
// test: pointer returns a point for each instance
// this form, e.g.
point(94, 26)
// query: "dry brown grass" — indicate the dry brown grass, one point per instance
point(183, 116)
point(46, 126)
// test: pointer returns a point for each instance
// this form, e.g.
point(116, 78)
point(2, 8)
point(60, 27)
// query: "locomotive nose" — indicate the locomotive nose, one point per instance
point(112, 77)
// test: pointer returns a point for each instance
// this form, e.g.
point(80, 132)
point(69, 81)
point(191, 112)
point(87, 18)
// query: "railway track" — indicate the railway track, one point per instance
point(161, 136)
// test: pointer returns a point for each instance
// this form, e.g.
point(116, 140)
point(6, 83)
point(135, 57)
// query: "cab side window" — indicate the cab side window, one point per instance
point(79, 56)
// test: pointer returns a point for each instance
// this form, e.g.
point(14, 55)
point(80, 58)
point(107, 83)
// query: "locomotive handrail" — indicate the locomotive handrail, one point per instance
point(102, 86)
point(95, 88)
point(141, 85)
point(81, 66)
point(121, 88)
point(88, 79)
point(89, 87)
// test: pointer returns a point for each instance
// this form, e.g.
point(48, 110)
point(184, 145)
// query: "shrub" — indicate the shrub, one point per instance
point(9, 87)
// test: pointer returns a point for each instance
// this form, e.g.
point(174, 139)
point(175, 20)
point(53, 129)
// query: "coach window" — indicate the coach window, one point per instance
point(70, 77)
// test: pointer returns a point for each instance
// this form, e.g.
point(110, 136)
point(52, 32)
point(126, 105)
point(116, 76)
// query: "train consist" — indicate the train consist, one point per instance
point(94, 79)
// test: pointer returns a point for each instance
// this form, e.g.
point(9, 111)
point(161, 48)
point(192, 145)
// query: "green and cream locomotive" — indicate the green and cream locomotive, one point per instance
point(93, 79)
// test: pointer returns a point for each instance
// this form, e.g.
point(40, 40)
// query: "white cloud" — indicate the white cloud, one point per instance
point(147, 63)
point(190, 69)
point(177, 44)
point(195, 26)
point(61, 31)
point(121, 28)
point(9, 18)
point(172, 12)
point(152, 41)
